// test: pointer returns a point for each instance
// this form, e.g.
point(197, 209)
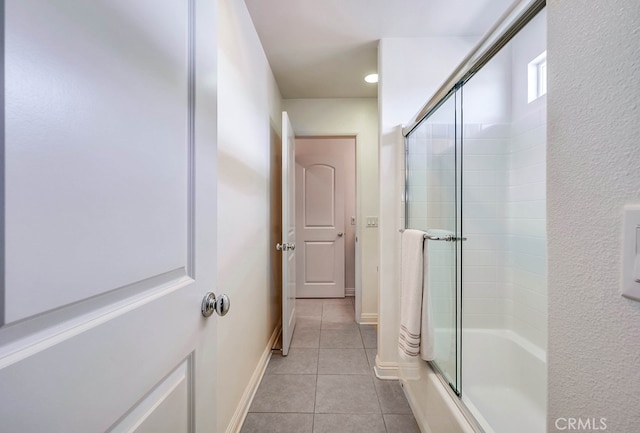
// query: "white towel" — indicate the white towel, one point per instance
point(427, 350)
point(411, 292)
point(416, 330)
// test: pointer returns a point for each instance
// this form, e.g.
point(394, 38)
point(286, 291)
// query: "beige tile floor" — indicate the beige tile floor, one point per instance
point(326, 384)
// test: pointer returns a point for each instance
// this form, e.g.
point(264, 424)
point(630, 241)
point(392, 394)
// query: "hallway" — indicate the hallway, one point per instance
point(327, 384)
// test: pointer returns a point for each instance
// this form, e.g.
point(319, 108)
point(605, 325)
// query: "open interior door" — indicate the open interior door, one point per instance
point(108, 212)
point(288, 245)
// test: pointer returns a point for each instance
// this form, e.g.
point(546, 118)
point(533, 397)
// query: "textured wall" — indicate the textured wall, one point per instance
point(593, 170)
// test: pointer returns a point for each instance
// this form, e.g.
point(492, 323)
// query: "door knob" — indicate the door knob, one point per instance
point(340, 234)
point(219, 304)
point(282, 247)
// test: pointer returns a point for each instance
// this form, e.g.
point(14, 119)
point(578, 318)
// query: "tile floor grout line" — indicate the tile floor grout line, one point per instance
point(331, 311)
point(315, 397)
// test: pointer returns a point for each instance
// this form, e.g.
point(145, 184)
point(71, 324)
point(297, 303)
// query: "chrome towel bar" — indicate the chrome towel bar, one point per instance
point(446, 238)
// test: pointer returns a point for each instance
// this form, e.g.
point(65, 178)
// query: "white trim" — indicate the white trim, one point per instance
point(433, 403)
point(419, 415)
point(537, 77)
point(350, 291)
point(368, 319)
point(235, 425)
point(386, 370)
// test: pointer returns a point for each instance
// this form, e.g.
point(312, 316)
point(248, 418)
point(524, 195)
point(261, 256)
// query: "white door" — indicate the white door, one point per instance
point(288, 245)
point(320, 221)
point(109, 215)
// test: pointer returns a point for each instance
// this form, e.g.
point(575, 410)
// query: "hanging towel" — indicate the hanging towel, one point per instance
point(411, 292)
point(427, 350)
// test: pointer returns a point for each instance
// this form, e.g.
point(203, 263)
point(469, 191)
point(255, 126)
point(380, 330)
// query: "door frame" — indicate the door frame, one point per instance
point(358, 228)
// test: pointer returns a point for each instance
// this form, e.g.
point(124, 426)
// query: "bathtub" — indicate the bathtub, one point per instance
point(504, 379)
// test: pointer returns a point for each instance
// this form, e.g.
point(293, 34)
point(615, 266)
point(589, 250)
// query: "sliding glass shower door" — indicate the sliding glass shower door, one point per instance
point(476, 169)
point(433, 205)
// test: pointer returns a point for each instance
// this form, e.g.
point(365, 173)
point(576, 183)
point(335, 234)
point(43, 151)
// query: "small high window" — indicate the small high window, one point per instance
point(537, 77)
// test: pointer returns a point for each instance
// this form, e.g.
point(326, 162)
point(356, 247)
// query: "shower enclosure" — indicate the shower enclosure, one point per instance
point(475, 170)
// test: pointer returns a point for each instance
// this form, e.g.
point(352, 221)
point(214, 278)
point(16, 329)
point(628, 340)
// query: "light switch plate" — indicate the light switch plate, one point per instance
point(631, 252)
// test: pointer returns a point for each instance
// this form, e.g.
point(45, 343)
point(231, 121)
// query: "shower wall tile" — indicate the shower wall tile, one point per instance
point(485, 194)
point(487, 131)
point(417, 146)
point(476, 146)
point(530, 230)
point(527, 213)
point(417, 177)
point(535, 334)
point(485, 321)
point(532, 120)
point(481, 258)
point(440, 131)
point(485, 162)
point(484, 177)
point(417, 162)
point(531, 281)
point(490, 306)
point(485, 241)
point(417, 209)
point(504, 262)
point(488, 290)
point(484, 225)
point(504, 218)
point(527, 192)
point(480, 274)
point(534, 300)
point(535, 209)
point(484, 210)
point(526, 248)
point(440, 177)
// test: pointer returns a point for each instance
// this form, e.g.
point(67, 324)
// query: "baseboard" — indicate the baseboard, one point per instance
point(235, 425)
point(350, 291)
point(386, 370)
point(368, 319)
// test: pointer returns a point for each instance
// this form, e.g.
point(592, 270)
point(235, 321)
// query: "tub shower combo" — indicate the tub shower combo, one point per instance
point(475, 184)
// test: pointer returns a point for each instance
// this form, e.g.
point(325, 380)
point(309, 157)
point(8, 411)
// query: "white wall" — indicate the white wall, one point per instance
point(248, 128)
point(410, 71)
point(317, 117)
point(593, 159)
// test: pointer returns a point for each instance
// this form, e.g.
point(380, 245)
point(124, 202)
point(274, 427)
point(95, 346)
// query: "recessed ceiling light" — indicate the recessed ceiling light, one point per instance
point(371, 78)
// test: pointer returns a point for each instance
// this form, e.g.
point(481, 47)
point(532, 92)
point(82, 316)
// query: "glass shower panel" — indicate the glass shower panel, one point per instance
point(504, 258)
point(432, 207)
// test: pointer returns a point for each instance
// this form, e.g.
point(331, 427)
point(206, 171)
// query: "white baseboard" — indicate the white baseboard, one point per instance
point(368, 319)
point(245, 402)
point(350, 291)
point(386, 370)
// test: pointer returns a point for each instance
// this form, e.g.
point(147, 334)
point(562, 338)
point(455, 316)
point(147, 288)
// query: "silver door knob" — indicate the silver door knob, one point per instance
point(340, 234)
point(220, 304)
point(282, 247)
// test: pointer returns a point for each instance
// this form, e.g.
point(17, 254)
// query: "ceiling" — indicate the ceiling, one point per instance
point(324, 48)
